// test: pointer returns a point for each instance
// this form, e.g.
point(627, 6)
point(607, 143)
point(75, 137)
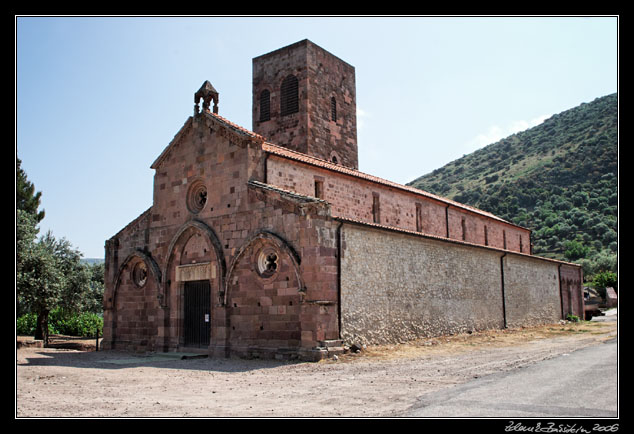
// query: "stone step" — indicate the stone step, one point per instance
point(333, 351)
point(331, 343)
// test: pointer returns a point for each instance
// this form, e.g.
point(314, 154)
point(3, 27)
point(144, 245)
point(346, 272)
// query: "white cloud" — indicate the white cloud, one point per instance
point(361, 116)
point(496, 132)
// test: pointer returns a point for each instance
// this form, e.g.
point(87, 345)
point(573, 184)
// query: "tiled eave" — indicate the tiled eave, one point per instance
point(449, 240)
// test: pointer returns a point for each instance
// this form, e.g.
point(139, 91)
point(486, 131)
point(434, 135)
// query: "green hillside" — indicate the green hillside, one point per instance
point(558, 179)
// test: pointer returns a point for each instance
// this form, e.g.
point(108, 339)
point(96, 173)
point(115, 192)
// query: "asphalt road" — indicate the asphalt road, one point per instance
point(580, 384)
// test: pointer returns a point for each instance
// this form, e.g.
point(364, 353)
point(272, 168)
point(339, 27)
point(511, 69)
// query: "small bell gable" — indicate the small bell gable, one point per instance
point(208, 94)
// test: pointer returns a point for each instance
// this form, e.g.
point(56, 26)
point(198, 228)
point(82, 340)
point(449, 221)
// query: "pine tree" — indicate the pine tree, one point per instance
point(26, 198)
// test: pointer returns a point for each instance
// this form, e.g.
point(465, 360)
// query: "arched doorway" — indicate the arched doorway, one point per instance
point(193, 287)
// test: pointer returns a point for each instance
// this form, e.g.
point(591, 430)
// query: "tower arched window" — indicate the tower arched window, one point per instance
point(289, 96)
point(265, 105)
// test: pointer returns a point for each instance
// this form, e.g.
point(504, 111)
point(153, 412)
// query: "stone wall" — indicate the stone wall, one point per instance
point(353, 197)
point(133, 322)
point(572, 290)
point(531, 287)
point(249, 312)
point(322, 78)
point(397, 287)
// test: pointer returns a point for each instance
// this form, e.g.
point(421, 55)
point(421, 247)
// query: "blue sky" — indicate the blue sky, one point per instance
point(99, 98)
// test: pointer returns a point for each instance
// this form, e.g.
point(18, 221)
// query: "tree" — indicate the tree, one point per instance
point(76, 283)
point(27, 218)
point(49, 272)
point(605, 279)
point(575, 250)
point(76, 276)
point(93, 300)
point(26, 198)
point(51, 275)
point(25, 233)
point(41, 285)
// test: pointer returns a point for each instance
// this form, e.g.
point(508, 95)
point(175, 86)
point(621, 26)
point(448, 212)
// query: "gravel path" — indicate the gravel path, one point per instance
point(378, 382)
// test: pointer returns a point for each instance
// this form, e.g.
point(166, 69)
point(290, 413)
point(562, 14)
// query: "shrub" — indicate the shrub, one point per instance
point(572, 318)
point(59, 322)
point(26, 324)
point(82, 324)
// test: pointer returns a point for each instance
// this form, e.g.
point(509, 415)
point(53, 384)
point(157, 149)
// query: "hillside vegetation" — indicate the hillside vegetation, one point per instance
point(558, 179)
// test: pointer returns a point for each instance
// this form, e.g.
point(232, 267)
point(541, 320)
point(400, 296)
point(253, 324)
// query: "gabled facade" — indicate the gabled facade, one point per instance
point(256, 247)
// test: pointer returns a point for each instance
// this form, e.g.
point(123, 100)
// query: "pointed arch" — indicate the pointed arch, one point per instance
point(127, 329)
point(151, 265)
point(183, 231)
point(279, 242)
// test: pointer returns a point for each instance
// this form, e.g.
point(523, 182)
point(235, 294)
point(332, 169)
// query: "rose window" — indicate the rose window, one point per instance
point(267, 262)
point(197, 197)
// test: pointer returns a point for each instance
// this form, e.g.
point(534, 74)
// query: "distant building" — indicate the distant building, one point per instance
point(611, 299)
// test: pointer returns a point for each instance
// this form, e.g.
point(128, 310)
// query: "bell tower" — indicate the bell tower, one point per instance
point(304, 99)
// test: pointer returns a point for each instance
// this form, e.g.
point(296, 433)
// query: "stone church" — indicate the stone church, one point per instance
point(270, 242)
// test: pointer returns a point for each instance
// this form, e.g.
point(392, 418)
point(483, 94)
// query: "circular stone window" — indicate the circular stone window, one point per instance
point(139, 274)
point(267, 261)
point(196, 197)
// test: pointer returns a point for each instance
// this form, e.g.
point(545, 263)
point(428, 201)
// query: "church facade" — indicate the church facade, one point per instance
point(270, 242)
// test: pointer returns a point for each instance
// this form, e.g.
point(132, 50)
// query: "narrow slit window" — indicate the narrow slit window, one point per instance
point(376, 208)
point(333, 109)
point(265, 106)
point(319, 189)
point(419, 218)
point(464, 229)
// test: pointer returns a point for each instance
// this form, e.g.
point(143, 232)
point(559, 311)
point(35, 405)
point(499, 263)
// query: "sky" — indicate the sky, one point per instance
point(97, 99)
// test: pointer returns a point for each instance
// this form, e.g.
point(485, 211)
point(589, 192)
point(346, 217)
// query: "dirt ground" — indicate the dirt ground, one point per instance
point(377, 382)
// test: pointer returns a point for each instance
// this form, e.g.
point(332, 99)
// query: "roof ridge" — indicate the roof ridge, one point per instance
point(136, 220)
point(233, 126)
point(237, 127)
point(451, 240)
